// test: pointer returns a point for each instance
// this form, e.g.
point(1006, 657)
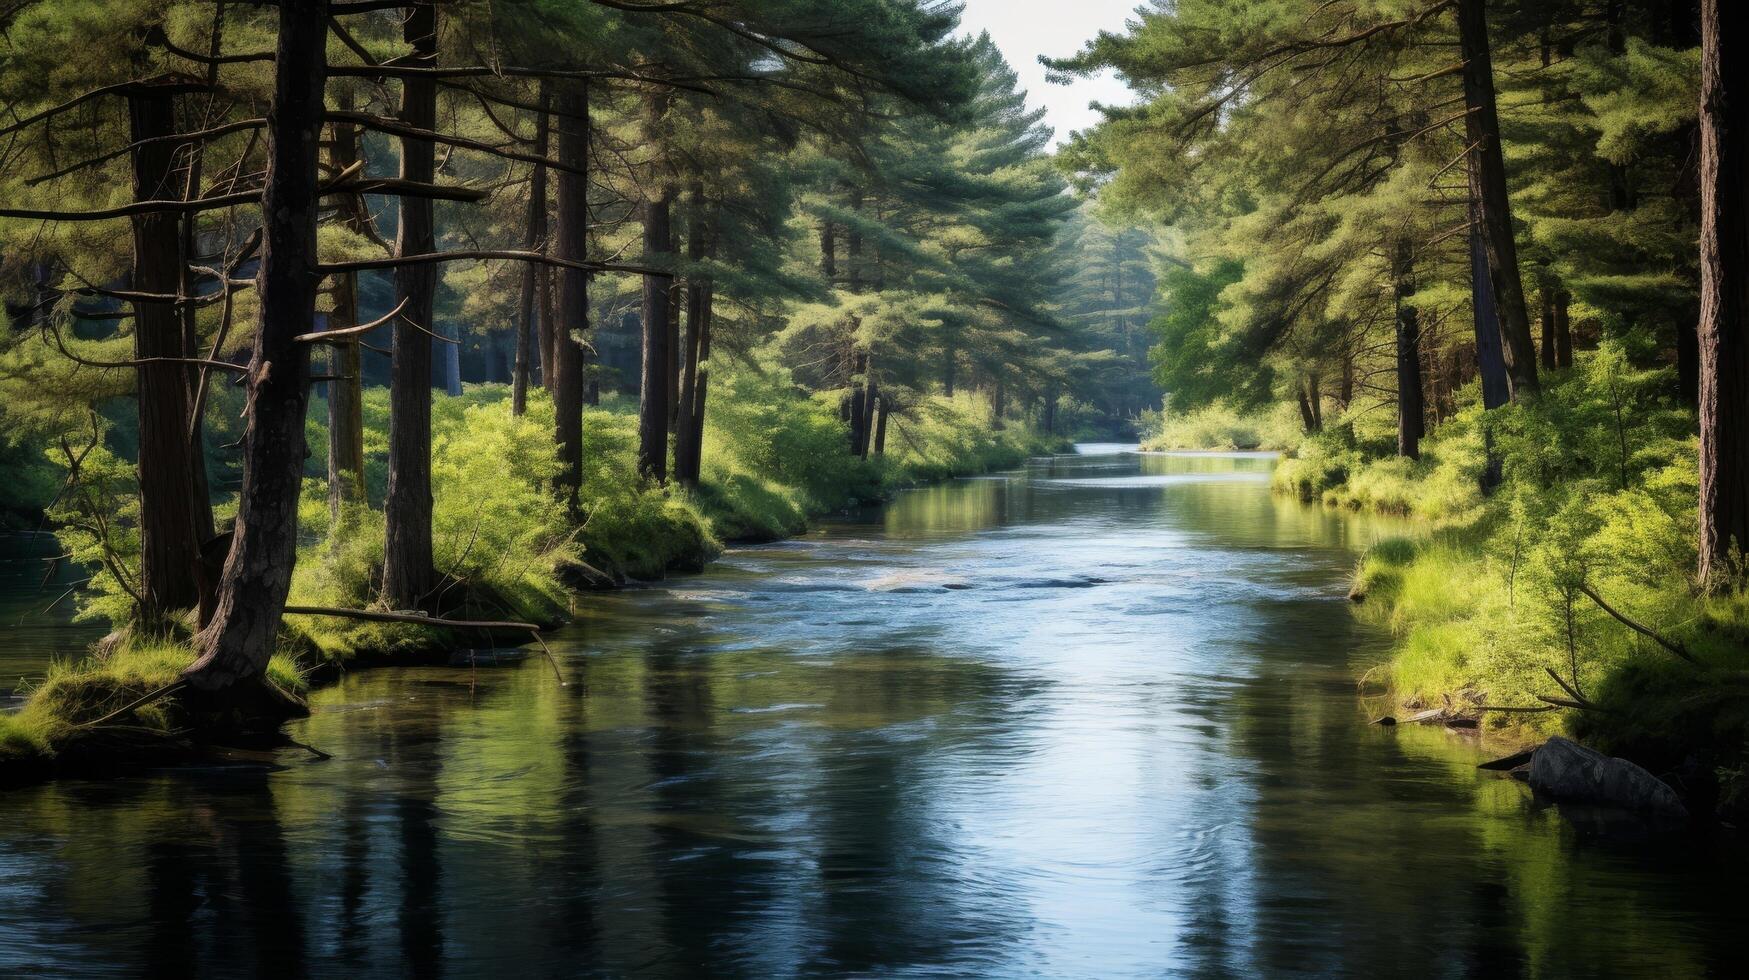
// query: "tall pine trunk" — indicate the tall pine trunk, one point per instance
point(533, 237)
point(1724, 297)
point(880, 433)
point(409, 577)
point(169, 538)
point(1563, 330)
point(237, 645)
point(1490, 361)
point(1488, 184)
point(690, 426)
point(570, 319)
point(1411, 408)
point(346, 389)
point(658, 374)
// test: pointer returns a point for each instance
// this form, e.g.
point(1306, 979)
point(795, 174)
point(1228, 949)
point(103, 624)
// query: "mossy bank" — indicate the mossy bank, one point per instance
point(508, 550)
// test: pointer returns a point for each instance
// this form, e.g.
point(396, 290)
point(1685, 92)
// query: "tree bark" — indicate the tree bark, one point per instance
point(1724, 298)
point(653, 395)
point(169, 536)
point(409, 577)
point(237, 645)
point(857, 400)
point(1411, 408)
point(880, 434)
point(1488, 186)
point(570, 321)
point(871, 402)
point(1490, 361)
point(533, 238)
point(346, 388)
point(1563, 330)
point(675, 338)
point(1548, 325)
point(690, 425)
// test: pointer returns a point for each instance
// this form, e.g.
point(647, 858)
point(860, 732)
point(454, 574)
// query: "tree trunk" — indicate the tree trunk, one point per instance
point(1563, 329)
point(1315, 397)
point(658, 377)
point(675, 339)
point(570, 318)
point(257, 576)
point(1490, 362)
point(1488, 188)
point(1688, 356)
point(169, 534)
point(998, 407)
point(545, 319)
point(857, 401)
point(1724, 298)
point(409, 577)
point(948, 364)
point(1307, 420)
point(707, 314)
point(346, 390)
point(452, 362)
point(1050, 419)
point(1411, 409)
point(689, 422)
point(1548, 324)
point(534, 237)
point(880, 434)
point(871, 401)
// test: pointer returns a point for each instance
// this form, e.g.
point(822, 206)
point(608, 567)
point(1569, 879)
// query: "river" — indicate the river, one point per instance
point(1094, 718)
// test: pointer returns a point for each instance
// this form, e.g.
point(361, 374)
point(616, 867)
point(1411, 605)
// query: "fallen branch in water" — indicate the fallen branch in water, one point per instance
point(1646, 631)
point(420, 620)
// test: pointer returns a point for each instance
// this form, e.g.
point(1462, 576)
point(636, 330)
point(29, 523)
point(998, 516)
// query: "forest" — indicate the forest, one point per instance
point(448, 309)
point(1491, 284)
point(802, 487)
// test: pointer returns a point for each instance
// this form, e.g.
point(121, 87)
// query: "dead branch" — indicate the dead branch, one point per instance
point(1670, 645)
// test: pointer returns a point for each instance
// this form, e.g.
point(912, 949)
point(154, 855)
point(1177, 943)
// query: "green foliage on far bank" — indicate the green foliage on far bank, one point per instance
point(1220, 426)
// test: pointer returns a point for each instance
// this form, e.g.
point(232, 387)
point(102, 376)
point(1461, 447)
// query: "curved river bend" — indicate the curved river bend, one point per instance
point(1096, 718)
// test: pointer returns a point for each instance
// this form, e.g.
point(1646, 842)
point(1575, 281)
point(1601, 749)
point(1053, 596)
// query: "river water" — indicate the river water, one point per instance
point(1095, 718)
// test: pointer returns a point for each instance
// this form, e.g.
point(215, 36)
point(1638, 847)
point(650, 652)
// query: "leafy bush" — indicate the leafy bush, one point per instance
point(1219, 426)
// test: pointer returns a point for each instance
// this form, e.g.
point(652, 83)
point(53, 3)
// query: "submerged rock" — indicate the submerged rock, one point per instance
point(1565, 770)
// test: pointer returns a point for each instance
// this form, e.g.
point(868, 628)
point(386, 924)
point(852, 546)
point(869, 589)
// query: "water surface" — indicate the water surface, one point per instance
point(1096, 718)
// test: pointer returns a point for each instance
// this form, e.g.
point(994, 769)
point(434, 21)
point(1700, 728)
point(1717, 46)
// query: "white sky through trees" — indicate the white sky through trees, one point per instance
point(1025, 29)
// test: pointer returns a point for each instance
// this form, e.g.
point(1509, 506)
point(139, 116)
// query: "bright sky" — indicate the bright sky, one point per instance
point(1025, 29)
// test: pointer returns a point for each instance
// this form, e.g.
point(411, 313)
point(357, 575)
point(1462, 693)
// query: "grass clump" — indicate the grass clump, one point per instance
point(1596, 493)
point(65, 706)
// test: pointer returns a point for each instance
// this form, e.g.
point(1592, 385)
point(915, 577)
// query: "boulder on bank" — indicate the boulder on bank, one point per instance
point(1565, 770)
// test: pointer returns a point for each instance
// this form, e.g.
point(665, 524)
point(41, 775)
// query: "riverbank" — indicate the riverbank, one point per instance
point(1562, 601)
point(773, 460)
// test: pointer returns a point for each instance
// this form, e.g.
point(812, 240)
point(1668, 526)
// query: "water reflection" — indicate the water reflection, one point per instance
point(1096, 718)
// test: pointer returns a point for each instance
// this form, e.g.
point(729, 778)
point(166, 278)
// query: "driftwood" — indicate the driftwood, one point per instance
point(417, 619)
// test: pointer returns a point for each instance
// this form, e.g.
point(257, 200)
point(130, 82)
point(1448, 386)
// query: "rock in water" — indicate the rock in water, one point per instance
point(1565, 770)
